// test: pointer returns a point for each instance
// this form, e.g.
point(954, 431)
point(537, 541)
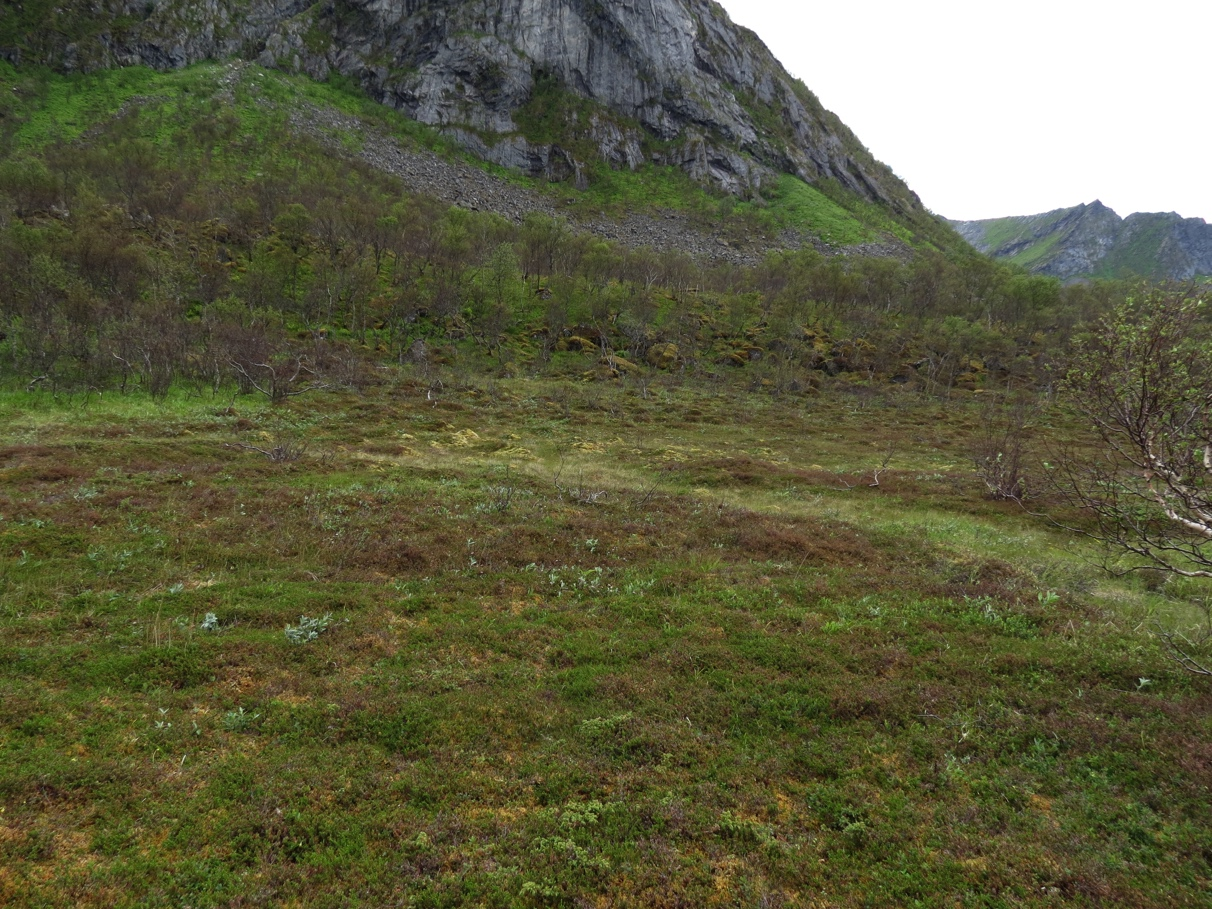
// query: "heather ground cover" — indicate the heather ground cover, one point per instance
point(538, 642)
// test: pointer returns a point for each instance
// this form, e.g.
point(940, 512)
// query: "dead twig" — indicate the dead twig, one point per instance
point(284, 451)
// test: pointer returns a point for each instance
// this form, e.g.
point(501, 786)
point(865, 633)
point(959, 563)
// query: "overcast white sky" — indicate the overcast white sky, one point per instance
point(1014, 108)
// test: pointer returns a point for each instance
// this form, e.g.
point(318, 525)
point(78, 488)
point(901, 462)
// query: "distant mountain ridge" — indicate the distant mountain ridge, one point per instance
point(1093, 241)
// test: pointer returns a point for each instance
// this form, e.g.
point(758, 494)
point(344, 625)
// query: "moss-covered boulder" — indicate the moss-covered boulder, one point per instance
point(663, 356)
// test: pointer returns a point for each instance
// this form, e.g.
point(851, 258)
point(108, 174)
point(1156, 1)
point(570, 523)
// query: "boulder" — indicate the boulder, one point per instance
point(663, 356)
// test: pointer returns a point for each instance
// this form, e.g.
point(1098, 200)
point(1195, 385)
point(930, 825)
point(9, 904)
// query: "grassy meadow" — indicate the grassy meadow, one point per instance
point(540, 642)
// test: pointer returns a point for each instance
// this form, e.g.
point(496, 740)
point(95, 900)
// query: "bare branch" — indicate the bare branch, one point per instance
point(277, 379)
point(875, 474)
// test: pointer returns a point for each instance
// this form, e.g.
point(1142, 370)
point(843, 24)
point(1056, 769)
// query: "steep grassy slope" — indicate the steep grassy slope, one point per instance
point(733, 120)
point(1141, 249)
point(41, 108)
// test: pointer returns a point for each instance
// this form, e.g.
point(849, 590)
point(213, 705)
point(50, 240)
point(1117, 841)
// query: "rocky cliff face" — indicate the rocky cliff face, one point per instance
point(670, 81)
point(1093, 241)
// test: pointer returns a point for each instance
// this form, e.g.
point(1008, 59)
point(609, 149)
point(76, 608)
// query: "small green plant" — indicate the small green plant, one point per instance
point(736, 828)
point(500, 498)
point(581, 814)
point(604, 727)
point(239, 720)
point(308, 629)
point(210, 622)
point(856, 833)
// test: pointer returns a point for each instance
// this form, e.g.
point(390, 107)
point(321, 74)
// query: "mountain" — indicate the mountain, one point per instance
point(1093, 241)
point(553, 88)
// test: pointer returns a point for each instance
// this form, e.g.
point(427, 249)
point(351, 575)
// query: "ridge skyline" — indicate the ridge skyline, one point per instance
point(1012, 113)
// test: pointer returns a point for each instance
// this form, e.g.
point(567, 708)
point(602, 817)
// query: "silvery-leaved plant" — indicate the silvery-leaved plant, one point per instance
point(308, 629)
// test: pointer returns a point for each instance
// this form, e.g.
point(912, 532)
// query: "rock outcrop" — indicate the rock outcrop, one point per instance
point(461, 183)
point(623, 82)
point(1093, 241)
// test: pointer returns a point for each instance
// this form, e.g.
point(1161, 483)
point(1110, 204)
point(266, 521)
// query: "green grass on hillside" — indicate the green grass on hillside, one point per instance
point(1003, 232)
point(50, 107)
point(792, 205)
point(63, 108)
point(651, 186)
point(797, 205)
point(1038, 252)
point(1141, 256)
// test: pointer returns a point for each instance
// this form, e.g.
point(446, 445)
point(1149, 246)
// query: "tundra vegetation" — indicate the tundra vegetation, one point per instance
point(360, 550)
